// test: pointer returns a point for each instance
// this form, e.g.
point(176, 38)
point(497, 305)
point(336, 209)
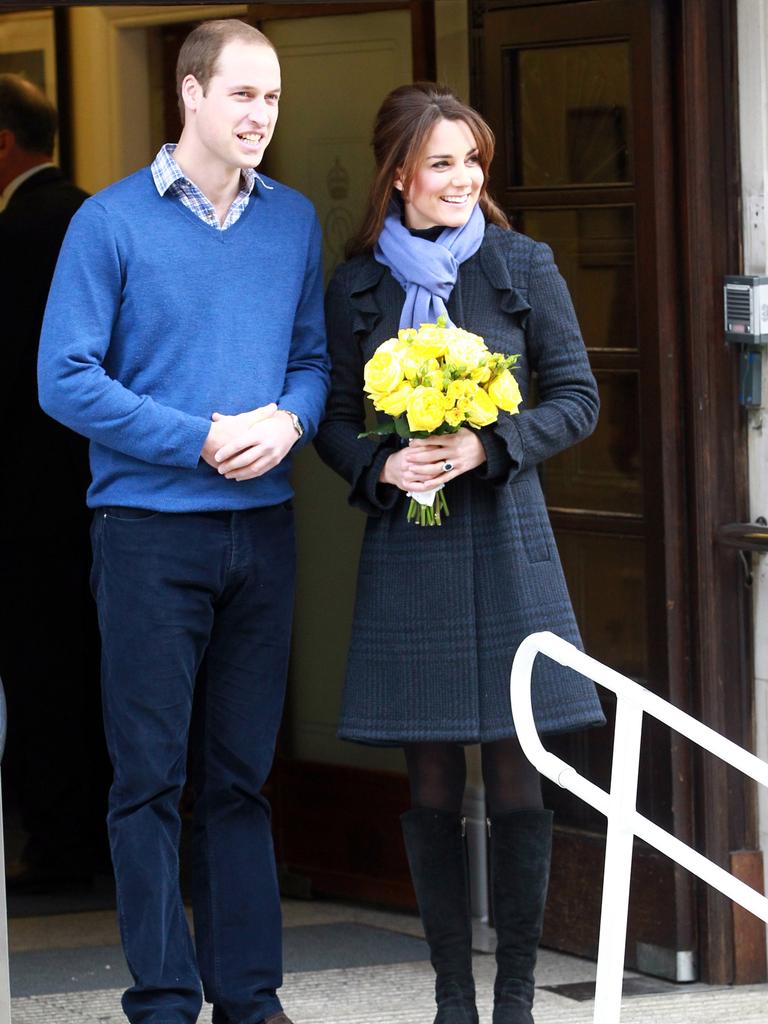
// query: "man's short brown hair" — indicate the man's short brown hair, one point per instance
point(199, 53)
point(28, 113)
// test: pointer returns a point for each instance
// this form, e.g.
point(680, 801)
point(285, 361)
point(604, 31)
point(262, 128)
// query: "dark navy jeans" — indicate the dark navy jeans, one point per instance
point(195, 613)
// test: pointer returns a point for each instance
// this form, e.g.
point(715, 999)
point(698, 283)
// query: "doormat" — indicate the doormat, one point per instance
point(583, 991)
point(314, 947)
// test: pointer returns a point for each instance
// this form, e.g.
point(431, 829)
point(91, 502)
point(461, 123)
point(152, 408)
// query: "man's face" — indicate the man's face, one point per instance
point(236, 116)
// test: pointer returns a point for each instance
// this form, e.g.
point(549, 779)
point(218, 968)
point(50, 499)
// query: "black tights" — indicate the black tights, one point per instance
point(437, 773)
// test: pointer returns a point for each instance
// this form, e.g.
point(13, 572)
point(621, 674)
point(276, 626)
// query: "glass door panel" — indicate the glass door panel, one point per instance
point(606, 575)
point(581, 93)
point(595, 250)
point(604, 473)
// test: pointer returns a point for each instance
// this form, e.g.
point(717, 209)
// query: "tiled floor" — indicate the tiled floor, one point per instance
point(394, 993)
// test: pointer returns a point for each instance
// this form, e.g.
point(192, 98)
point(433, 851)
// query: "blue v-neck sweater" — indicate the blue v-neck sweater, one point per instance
point(155, 320)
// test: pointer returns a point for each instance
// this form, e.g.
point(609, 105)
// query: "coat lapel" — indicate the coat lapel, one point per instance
point(495, 265)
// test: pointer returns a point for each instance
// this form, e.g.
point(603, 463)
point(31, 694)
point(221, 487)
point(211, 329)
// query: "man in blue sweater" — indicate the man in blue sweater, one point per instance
point(184, 336)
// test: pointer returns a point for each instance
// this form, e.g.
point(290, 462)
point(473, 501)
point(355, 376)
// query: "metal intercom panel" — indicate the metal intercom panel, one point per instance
point(746, 310)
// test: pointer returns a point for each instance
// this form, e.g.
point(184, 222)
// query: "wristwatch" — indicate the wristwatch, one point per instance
point(295, 421)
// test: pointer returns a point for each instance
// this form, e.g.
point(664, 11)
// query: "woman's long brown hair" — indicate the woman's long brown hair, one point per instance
point(400, 133)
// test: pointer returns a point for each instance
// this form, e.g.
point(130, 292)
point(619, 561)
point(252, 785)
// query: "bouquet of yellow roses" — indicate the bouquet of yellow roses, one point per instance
point(435, 380)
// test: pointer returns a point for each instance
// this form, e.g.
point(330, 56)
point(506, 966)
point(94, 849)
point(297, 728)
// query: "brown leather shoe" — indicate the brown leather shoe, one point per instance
point(278, 1018)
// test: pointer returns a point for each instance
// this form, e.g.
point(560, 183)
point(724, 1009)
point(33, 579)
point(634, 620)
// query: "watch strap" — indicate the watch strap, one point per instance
point(295, 421)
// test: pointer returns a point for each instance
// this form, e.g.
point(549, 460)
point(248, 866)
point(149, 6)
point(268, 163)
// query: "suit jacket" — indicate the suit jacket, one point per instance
point(441, 611)
point(46, 465)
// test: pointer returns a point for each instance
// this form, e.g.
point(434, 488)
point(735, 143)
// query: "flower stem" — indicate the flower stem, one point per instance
point(428, 515)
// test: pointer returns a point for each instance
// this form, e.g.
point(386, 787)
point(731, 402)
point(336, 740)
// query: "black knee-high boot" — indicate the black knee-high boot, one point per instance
point(436, 847)
point(521, 847)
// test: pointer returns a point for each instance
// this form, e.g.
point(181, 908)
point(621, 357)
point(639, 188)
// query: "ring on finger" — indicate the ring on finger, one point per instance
point(447, 467)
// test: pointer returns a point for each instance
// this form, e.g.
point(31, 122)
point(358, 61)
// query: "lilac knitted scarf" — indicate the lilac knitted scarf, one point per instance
point(427, 270)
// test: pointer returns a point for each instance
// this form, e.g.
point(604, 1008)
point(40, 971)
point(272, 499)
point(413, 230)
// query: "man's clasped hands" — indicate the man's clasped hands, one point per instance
point(249, 444)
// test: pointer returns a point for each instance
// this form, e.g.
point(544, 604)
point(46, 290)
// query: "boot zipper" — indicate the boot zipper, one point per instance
point(463, 827)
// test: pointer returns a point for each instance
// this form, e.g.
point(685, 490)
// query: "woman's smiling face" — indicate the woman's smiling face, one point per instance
point(448, 179)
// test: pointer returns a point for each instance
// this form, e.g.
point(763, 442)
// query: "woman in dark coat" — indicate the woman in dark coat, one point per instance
point(441, 611)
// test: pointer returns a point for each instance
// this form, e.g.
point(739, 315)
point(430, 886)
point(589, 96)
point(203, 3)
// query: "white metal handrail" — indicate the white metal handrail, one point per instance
point(619, 806)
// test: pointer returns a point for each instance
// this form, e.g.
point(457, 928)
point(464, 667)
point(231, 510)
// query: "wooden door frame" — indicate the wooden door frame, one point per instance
point(346, 841)
point(423, 48)
point(703, 465)
point(662, 930)
point(732, 947)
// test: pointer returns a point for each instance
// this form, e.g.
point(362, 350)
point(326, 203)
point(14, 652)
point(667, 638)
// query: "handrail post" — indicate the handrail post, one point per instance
point(617, 873)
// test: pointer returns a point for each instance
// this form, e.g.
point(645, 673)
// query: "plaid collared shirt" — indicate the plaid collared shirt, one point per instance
point(169, 178)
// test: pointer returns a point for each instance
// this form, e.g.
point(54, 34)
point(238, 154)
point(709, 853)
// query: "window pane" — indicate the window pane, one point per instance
point(595, 251)
point(603, 473)
point(606, 581)
point(570, 115)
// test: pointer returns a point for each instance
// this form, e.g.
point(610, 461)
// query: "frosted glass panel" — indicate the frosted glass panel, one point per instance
point(603, 473)
point(606, 580)
point(573, 109)
point(595, 250)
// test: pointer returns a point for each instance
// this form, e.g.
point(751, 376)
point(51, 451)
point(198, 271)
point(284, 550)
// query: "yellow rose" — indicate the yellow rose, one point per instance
point(480, 409)
point(417, 359)
point(394, 345)
point(395, 403)
point(460, 391)
point(480, 374)
point(426, 409)
point(423, 371)
point(471, 402)
point(504, 392)
point(431, 339)
point(454, 417)
point(383, 373)
point(465, 349)
point(433, 375)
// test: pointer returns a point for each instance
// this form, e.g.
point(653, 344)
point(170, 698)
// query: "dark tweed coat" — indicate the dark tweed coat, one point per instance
point(440, 611)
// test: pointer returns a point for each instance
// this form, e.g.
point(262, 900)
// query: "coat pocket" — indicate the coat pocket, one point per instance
point(531, 520)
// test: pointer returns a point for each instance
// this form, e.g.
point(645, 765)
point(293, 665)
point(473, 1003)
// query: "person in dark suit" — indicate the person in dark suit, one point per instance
point(49, 649)
point(440, 612)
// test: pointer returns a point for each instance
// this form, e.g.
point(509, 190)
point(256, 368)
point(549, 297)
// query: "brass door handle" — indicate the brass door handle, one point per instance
point(745, 536)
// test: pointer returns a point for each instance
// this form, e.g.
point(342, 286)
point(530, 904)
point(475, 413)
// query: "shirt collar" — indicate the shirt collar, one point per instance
point(166, 172)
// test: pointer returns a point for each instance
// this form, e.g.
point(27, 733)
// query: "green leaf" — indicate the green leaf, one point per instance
point(402, 429)
point(381, 431)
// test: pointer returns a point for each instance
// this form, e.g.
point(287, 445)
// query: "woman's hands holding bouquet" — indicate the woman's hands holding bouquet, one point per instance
point(421, 465)
point(432, 385)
